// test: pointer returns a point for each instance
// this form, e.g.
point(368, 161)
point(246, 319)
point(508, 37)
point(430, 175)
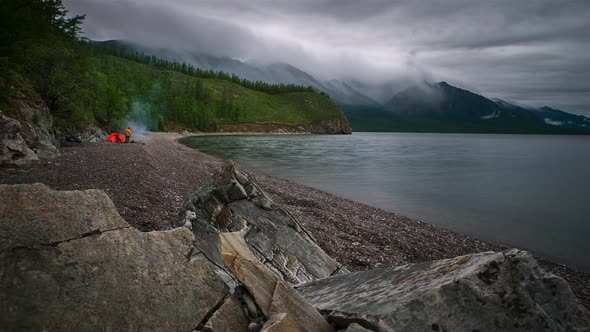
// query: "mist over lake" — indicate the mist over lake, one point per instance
point(527, 191)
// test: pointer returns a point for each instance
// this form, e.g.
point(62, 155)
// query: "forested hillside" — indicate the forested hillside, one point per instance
point(86, 84)
point(169, 100)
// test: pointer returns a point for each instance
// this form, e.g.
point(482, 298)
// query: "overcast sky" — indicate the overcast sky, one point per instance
point(534, 52)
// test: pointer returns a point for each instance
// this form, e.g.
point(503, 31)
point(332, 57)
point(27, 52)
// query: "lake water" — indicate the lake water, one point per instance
point(528, 191)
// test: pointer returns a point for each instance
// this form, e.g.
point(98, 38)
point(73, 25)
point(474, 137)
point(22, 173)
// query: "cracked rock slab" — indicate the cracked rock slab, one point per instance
point(36, 215)
point(233, 202)
point(69, 262)
point(280, 323)
point(504, 291)
point(272, 294)
point(229, 317)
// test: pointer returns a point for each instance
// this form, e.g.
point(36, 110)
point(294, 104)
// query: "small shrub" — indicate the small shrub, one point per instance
point(35, 119)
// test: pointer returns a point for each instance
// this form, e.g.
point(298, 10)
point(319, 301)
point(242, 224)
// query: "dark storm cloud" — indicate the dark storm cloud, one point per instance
point(150, 24)
point(530, 51)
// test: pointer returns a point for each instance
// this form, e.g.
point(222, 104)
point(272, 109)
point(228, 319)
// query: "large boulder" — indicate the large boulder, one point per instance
point(232, 202)
point(505, 291)
point(69, 262)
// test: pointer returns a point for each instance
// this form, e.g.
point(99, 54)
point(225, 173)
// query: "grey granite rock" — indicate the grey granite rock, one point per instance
point(232, 202)
point(36, 215)
point(280, 323)
point(229, 317)
point(69, 262)
point(505, 291)
point(272, 294)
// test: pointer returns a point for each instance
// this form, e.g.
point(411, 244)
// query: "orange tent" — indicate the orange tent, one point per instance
point(116, 138)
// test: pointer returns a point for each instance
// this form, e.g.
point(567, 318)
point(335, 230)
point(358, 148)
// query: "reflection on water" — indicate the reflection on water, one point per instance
point(523, 190)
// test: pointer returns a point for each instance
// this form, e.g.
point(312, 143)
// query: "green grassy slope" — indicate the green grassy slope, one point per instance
point(288, 108)
point(168, 99)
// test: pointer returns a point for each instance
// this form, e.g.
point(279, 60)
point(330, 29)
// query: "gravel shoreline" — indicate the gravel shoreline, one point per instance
point(149, 181)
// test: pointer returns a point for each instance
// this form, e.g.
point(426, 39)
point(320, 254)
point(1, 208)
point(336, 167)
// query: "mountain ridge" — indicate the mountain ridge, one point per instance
point(442, 107)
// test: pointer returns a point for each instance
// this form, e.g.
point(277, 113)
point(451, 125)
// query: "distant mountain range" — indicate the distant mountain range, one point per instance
point(441, 107)
point(425, 107)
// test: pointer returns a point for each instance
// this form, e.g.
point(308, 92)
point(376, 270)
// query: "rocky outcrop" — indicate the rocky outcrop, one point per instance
point(283, 307)
point(505, 291)
point(232, 202)
point(333, 126)
point(487, 291)
point(92, 134)
point(69, 262)
point(259, 250)
point(13, 147)
point(35, 123)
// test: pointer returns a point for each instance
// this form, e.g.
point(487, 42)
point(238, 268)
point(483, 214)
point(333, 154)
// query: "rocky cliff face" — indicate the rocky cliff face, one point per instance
point(334, 126)
point(13, 146)
point(24, 119)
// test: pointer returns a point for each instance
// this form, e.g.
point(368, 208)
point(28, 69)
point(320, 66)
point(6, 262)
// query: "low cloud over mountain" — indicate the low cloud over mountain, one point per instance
point(531, 52)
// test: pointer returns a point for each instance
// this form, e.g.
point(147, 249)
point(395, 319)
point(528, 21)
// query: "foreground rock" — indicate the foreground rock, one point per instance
point(488, 291)
point(482, 292)
point(232, 202)
point(283, 308)
point(69, 262)
point(259, 250)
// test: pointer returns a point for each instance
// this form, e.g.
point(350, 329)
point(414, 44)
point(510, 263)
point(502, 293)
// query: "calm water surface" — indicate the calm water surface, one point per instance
point(521, 190)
